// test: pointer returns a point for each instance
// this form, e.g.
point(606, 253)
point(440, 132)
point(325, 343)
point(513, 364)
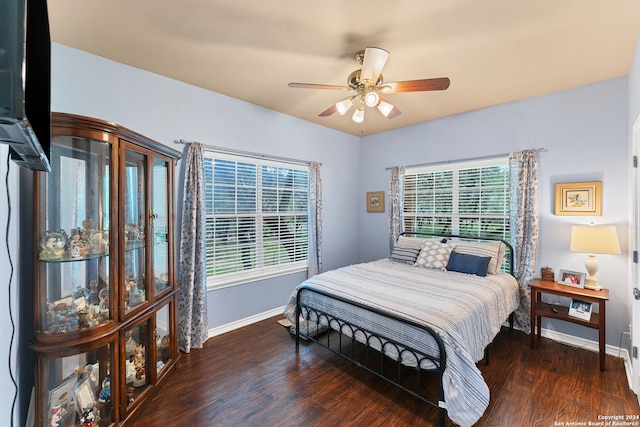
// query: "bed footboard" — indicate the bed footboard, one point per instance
point(358, 344)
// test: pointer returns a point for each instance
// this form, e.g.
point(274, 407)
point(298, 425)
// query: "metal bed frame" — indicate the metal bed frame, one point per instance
point(373, 360)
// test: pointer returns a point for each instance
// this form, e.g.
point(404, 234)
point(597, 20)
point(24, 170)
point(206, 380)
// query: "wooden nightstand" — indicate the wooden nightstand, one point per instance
point(541, 309)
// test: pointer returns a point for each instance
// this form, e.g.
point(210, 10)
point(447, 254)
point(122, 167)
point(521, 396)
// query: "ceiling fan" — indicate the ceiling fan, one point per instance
point(368, 87)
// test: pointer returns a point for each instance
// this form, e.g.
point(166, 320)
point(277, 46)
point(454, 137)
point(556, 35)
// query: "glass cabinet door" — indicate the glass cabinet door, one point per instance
point(159, 221)
point(134, 208)
point(76, 390)
point(163, 337)
point(74, 230)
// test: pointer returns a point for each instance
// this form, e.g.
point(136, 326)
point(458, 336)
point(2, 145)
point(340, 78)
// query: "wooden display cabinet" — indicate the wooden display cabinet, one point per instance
point(105, 297)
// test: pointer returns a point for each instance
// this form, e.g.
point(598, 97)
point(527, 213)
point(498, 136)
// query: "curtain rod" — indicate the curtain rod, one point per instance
point(250, 154)
point(468, 159)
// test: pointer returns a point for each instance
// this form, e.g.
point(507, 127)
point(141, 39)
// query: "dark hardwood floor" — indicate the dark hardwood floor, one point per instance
point(254, 377)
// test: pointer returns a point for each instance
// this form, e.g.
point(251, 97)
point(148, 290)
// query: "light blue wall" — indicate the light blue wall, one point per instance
point(584, 132)
point(167, 111)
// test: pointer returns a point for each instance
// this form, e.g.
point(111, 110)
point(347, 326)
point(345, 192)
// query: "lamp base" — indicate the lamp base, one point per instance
point(591, 282)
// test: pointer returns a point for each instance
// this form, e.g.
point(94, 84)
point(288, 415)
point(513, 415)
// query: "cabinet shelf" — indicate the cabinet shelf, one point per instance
point(554, 311)
point(131, 246)
point(73, 259)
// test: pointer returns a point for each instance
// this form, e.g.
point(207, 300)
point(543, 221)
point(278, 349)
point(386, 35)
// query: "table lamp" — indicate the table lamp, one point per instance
point(594, 239)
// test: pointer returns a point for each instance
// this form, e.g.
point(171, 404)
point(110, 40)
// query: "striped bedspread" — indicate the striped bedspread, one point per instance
point(466, 311)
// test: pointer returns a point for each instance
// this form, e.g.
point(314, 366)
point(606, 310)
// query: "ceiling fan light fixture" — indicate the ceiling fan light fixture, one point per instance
point(385, 108)
point(371, 99)
point(369, 87)
point(343, 106)
point(358, 115)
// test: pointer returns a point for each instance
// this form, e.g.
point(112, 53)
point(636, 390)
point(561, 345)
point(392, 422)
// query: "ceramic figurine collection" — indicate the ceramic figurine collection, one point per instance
point(87, 306)
point(83, 407)
point(135, 363)
point(80, 242)
point(133, 294)
point(84, 308)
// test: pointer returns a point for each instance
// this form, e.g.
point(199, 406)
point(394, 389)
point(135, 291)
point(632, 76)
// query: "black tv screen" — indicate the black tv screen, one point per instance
point(38, 72)
point(25, 82)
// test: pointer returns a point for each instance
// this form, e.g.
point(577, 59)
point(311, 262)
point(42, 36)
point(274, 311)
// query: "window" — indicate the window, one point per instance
point(256, 218)
point(470, 199)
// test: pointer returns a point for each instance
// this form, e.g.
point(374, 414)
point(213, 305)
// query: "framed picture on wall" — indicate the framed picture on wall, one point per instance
point(579, 198)
point(375, 201)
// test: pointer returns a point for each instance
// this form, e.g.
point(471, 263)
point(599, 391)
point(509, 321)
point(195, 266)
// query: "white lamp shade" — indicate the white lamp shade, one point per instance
point(344, 105)
point(385, 108)
point(358, 115)
point(595, 239)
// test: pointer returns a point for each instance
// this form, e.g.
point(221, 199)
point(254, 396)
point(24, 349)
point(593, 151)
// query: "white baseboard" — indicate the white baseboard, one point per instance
point(244, 322)
point(585, 343)
point(593, 346)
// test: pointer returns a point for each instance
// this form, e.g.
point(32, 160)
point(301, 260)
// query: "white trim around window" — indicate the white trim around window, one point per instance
point(257, 213)
point(241, 278)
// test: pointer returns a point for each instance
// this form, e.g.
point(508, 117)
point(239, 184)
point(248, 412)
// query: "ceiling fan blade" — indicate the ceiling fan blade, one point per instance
point(416, 85)
point(372, 64)
point(329, 111)
point(387, 108)
point(318, 86)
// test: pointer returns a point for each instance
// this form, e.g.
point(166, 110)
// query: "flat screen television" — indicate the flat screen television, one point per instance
point(25, 82)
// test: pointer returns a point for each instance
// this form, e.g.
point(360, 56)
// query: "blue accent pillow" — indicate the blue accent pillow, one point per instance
point(470, 264)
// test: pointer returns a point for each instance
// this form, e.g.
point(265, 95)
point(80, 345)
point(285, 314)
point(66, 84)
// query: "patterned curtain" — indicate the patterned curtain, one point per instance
point(523, 224)
point(192, 295)
point(315, 219)
point(396, 198)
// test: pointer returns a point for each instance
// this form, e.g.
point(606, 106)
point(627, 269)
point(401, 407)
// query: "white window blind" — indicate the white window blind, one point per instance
point(256, 216)
point(470, 199)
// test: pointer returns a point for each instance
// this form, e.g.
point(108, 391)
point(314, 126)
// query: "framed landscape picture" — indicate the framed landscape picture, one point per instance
point(375, 201)
point(579, 198)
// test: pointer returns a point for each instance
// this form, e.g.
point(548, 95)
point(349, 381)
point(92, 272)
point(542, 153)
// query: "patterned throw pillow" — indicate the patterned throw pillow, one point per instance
point(434, 254)
point(404, 254)
point(406, 250)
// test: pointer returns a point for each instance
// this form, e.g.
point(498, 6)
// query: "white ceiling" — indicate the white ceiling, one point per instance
point(494, 51)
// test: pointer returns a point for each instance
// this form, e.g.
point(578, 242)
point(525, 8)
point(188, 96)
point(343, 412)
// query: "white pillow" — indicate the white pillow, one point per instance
point(434, 254)
point(409, 242)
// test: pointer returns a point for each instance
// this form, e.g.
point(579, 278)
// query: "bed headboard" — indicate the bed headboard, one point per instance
point(508, 255)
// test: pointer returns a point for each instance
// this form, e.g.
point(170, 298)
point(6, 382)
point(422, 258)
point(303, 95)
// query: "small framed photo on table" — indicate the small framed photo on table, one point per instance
point(571, 278)
point(580, 309)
